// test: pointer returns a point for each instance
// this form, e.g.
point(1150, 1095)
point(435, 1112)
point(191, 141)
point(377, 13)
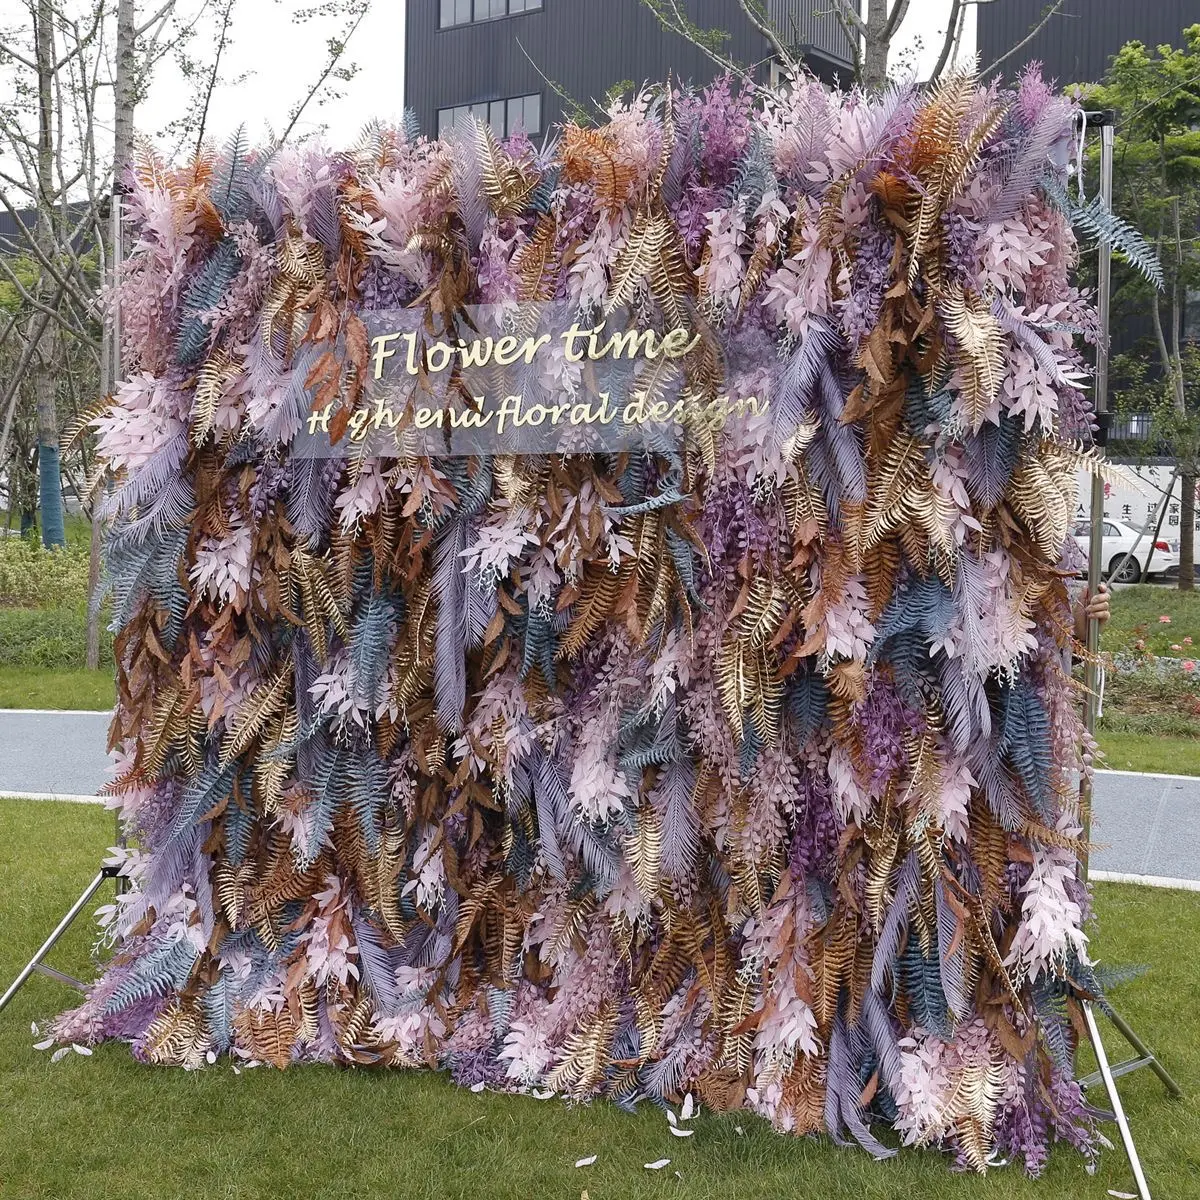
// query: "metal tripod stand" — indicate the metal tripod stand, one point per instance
point(36, 965)
point(1143, 1057)
point(110, 374)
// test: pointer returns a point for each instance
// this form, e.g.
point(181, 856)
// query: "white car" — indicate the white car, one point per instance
point(1118, 541)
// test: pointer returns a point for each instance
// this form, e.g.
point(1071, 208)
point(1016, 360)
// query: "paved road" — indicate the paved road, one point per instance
point(58, 753)
point(1145, 824)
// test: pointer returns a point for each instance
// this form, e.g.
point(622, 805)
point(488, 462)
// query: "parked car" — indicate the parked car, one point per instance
point(1118, 542)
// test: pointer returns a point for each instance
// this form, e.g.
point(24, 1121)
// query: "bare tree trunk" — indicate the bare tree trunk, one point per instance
point(875, 51)
point(124, 100)
point(49, 474)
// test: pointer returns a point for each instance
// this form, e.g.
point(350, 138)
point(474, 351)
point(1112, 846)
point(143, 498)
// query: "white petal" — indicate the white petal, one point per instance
point(86, 1051)
point(681, 1132)
point(210, 1057)
point(739, 1131)
point(689, 1107)
point(546, 1095)
point(33, 1028)
point(237, 1070)
point(44, 1045)
point(672, 1120)
point(585, 1162)
point(1122, 1195)
point(657, 1164)
point(60, 1054)
point(478, 1087)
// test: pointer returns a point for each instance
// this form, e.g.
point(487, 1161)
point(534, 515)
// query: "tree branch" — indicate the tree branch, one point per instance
point(849, 16)
point(337, 47)
point(161, 15)
point(895, 17)
point(1051, 11)
point(953, 32)
point(54, 313)
point(760, 22)
point(679, 24)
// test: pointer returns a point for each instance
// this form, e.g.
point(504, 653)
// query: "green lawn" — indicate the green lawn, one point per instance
point(41, 687)
point(1135, 615)
point(108, 1127)
point(1145, 752)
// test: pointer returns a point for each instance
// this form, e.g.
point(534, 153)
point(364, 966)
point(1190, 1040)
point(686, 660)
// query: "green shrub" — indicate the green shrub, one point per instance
point(32, 577)
point(48, 637)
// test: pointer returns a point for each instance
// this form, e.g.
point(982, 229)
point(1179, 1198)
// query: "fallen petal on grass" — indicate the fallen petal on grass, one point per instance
point(586, 1162)
point(657, 1164)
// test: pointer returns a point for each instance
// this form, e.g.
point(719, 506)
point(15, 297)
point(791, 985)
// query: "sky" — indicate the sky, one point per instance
point(273, 61)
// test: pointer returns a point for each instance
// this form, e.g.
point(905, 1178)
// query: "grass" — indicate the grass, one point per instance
point(1144, 752)
point(1151, 721)
point(37, 687)
point(1135, 615)
point(107, 1126)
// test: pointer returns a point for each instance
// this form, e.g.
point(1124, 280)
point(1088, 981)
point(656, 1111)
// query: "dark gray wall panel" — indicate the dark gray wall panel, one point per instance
point(1077, 42)
point(586, 46)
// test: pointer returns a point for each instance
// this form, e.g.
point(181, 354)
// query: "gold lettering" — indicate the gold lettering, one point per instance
point(444, 354)
point(360, 421)
point(570, 337)
point(382, 353)
point(507, 352)
point(676, 344)
point(511, 407)
point(477, 353)
point(626, 344)
point(319, 419)
point(471, 418)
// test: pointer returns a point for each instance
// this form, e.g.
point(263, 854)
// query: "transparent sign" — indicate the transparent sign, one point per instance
point(523, 379)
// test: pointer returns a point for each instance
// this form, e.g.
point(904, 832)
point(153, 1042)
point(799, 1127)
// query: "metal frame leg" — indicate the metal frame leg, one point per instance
point(1114, 1098)
point(35, 963)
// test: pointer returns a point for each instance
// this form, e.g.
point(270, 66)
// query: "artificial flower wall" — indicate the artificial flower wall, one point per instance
point(747, 768)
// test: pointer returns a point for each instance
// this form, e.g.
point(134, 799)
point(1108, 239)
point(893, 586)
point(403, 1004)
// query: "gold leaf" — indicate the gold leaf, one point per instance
point(979, 338)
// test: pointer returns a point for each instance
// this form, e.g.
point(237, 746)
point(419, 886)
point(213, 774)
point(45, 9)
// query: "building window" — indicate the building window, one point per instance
point(506, 117)
point(464, 12)
point(455, 12)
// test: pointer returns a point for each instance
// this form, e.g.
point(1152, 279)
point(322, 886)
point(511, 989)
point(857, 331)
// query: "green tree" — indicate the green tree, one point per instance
point(1156, 187)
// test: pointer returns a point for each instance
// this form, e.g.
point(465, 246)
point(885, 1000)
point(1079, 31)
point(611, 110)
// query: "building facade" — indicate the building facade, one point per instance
point(1077, 42)
point(518, 64)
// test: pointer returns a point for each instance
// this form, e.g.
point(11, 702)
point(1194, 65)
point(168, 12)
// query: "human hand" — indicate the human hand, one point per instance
point(1093, 608)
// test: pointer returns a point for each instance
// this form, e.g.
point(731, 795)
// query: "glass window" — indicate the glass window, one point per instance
point(455, 12)
point(1110, 530)
point(521, 6)
point(496, 117)
point(486, 9)
point(525, 113)
point(449, 118)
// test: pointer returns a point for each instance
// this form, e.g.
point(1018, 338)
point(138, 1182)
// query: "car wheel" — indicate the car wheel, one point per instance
point(1124, 569)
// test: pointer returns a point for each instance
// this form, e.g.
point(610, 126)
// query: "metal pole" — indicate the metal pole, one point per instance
point(48, 944)
point(1110, 1086)
point(117, 238)
point(1096, 544)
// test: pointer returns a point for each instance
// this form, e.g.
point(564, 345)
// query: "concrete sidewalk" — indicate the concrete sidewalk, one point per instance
point(1145, 825)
